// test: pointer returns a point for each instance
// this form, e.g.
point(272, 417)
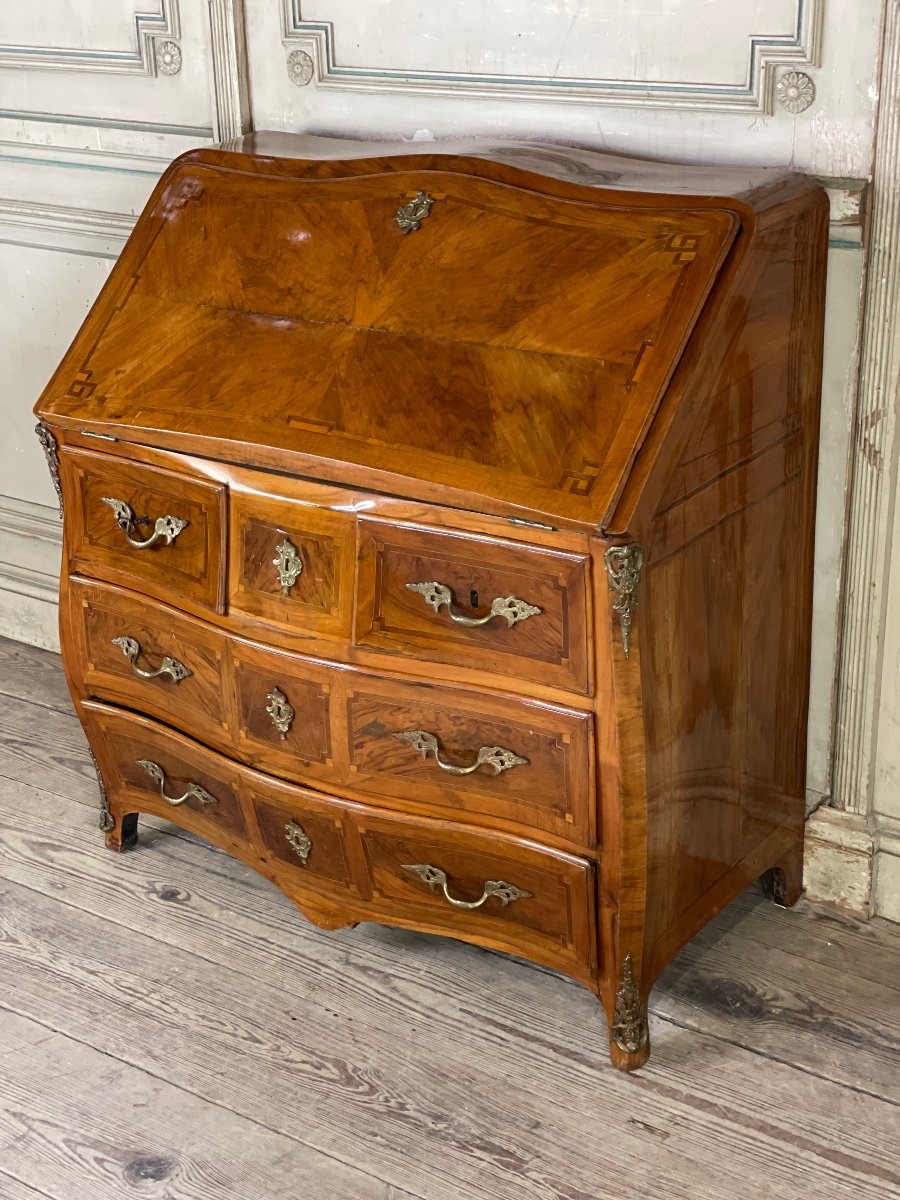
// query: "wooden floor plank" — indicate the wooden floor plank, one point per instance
point(15, 1189)
point(768, 1001)
point(448, 1072)
point(32, 674)
point(261, 1041)
point(75, 1123)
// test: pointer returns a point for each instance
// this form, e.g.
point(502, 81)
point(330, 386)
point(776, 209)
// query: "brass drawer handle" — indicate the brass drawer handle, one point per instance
point(300, 842)
point(131, 648)
point(511, 608)
point(165, 529)
point(490, 756)
point(436, 878)
point(194, 790)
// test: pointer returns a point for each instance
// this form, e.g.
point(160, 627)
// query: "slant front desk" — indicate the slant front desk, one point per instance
point(438, 537)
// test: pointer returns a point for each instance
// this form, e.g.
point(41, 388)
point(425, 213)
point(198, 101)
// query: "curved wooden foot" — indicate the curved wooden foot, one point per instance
point(783, 883)
point(622, 1060)
point(122, 834)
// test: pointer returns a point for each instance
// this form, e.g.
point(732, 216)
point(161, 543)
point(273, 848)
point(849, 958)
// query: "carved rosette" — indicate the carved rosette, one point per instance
point(795, 91)
point(168, 57)
point(300, 68)
point(629, 1028)
point(48, 442)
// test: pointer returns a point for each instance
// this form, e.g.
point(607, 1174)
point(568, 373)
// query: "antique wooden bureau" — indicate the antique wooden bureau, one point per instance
point(438, 537)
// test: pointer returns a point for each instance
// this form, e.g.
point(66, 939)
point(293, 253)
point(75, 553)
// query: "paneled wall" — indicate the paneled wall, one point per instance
point(96, 96)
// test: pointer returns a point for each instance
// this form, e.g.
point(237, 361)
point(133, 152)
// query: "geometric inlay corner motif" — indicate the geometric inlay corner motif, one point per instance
point(684, 246)
point(81, 387)
point(580, 483)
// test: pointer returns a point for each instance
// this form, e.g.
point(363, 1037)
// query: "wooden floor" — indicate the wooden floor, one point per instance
point(171, 1028)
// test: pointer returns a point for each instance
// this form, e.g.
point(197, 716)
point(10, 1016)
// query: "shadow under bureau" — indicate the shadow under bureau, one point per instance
point(438, 537)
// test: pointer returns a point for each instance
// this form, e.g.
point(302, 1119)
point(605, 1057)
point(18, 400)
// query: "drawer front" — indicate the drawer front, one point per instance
point(148, 528)
point(161, 772)
point(283, 712)
point(149, 657)
point(472, 754)
point(508, 894)
point(501, 891)
point(474, 602)
point(412, 746)
point(303, 838)
point(291, 565)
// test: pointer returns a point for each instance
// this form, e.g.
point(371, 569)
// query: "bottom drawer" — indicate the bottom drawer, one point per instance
point(359, 862)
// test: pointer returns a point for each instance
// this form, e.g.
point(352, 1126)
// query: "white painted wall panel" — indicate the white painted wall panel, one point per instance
point(365, 82)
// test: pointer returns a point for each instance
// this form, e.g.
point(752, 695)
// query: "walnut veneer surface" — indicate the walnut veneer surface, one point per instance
point(438, 537)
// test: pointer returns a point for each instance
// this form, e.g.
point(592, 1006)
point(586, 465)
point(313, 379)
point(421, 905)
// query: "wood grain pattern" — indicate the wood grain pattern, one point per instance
point(550, 644)
point(357, 873)
point(191, 565)
point(624, 368)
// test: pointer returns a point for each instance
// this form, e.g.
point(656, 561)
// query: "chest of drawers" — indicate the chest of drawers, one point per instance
point(438, 537)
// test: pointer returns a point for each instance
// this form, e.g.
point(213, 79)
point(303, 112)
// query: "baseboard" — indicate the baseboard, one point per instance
point(30, 548)
point(886, 891)
point(838, 860)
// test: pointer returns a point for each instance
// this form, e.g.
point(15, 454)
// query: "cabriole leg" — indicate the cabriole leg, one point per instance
point(120, 833)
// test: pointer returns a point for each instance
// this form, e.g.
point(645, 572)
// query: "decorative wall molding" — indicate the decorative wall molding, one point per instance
point(873, 464)
point(229, 73)
point(30, 548)
point(56, 227)
point(140, 59)
point(756, 93)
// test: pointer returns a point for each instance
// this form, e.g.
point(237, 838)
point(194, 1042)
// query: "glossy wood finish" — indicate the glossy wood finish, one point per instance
point(356, 866)
point(190, 565)
point(550, 644)
point(342, 733)
point(618, 354)
point(552, 791)
point(319, 601)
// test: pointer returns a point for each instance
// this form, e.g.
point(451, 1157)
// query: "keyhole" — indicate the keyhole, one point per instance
point(473, 598)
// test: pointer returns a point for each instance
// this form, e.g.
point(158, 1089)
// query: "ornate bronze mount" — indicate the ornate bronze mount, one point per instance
point(288, 564)
point(48, 442)
point(280, 710)
point(629, 1028)
point(623, 566)
point(300, 842)
point(410, 216)
point(107, 820)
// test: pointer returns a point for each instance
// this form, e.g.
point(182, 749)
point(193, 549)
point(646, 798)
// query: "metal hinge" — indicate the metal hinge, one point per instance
point(531, 524)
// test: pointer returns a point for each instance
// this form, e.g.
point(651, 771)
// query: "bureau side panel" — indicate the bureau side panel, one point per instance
point(726, 605)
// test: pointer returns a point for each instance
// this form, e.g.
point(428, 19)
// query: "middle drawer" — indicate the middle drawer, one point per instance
point(413, 746)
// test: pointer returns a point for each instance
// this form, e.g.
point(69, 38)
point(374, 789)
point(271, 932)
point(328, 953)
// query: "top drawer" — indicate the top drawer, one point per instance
point(474, 602)
point(144, 527)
